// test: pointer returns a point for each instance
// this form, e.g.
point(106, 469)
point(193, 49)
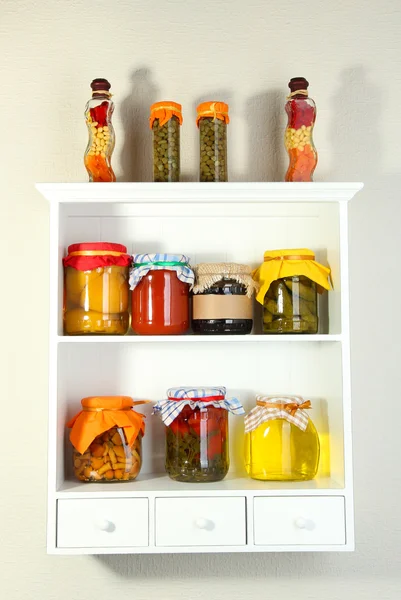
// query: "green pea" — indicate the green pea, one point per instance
point(166, 150)
point(213, 149)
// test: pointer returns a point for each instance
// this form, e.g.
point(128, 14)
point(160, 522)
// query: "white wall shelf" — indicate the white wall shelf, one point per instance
point(208, 222)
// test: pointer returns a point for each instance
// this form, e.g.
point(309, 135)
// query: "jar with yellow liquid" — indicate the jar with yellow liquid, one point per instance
point(281, 441)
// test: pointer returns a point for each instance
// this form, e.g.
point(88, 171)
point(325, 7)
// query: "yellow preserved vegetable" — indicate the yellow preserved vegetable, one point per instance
point(281, 442)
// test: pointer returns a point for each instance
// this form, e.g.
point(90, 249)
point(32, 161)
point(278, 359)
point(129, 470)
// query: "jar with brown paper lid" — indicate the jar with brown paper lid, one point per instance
point(222, 299)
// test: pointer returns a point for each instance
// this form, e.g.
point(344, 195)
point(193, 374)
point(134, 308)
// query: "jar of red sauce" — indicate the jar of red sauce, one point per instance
point(160, 286)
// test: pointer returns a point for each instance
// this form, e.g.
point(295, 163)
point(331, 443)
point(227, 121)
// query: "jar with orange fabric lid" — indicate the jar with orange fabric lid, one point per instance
point(281, 441)
point(96, 289)
point(107, 439)
point(165, 121)
point(301, 112)
point(212, 120)
point(289, 281)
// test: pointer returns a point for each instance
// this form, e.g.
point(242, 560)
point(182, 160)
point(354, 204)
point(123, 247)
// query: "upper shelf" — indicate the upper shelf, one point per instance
point(190, 193)
point(155, 339)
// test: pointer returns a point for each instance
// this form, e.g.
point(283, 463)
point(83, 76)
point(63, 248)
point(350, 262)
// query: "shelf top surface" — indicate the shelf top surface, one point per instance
point(190, 193)
point(195, 339)
point(155, 483)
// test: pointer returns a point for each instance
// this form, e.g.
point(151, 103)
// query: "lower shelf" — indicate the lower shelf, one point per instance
point(159, 483)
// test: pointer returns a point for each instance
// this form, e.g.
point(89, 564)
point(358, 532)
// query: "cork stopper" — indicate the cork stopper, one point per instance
point(298, 83)
point(100, 86)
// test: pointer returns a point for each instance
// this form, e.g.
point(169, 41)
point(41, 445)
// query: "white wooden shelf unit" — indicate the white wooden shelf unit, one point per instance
point(208, 222)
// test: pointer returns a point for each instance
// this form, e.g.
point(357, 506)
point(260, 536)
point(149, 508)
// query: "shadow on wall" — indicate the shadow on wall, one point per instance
point(266, 121)
point(136, 154)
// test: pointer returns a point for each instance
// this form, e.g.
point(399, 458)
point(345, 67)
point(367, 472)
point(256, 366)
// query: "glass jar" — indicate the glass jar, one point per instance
point(107, 439)
point(301, 111)
point(165, 122)
point(212, 121)
point(196, 422)
point(290, 306)
point(222, 301)
point(96, 289)
point(98, 113)
point(281, 442)
point(289, 280)
point(160, 294)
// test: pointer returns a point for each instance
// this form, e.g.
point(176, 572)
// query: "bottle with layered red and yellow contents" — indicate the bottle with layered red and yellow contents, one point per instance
point(98, 113)
point(301, 111)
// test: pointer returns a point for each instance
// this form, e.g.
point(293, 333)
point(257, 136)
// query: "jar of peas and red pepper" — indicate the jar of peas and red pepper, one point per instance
point(98, 113)
point(196, 421)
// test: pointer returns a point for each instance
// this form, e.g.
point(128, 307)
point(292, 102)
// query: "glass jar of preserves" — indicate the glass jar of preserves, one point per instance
point(289, 280)
point(301, 112)
point(107, 437)
point(196, 422)
point(222, 301)
point(160, 293)
point(212, 120)
point(98, 113)
point(165, 122)
point(281, 442)
point(96, 289)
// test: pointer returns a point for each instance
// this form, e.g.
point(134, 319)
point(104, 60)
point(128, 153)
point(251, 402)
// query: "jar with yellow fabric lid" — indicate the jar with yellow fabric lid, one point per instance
point(212, 120)
point(165, 121)
point(281, 442)
point(289, 281)
point(96, 289)
point(107, 438)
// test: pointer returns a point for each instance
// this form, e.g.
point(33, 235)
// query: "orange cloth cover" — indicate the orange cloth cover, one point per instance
point(101, 413)
point(217, 110)
point(164, 111)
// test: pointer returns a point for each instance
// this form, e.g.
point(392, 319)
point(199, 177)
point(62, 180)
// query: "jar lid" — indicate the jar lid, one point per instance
point(196, 392)
point(164, 111)
point(207, 274)
point(143, 263)
point(92, 255)
point(214, 109)
point(287, 407)
point(94, 246)
point(107, 402)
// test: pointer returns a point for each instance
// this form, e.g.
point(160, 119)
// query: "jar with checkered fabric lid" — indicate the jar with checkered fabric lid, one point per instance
point(196, 420)
point(281, 441)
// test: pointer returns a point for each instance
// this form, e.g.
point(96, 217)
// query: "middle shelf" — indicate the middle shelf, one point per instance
point(194, 339)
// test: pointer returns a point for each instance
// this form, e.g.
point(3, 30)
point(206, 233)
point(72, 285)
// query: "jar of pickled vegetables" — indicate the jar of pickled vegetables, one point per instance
point(98, 113)
point(160, 293)
point(301, 112)
point(212, 120)
point(289, 281)
point(281, 442)
point(222, 301)
point(106, 436)
point(196, 421)
point(96, 289)
point(165, 122)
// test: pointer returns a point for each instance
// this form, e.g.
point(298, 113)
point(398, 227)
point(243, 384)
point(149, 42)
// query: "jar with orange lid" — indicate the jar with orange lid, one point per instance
point(98, 114)
point(289, 282)
point(96, 289)
point(281, 441)
point(212, 120)
point(107, 439)
point(165, 121)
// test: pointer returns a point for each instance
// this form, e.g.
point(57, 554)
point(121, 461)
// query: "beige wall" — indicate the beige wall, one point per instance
point(242, 52)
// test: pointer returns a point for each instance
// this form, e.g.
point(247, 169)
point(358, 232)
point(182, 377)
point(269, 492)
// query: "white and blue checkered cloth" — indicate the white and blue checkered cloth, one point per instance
point(143, 263)
point(170, 408)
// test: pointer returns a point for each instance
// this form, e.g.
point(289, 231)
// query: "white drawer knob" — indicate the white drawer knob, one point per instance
point(105, 525)
point(204, 524)
point(301, 523)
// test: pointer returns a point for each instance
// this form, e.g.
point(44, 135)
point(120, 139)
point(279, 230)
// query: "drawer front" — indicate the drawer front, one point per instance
point(303, 520)
point(113, 523)
point(200, 521)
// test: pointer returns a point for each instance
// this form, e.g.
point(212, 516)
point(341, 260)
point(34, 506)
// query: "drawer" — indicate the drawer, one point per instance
point(200, 521)
point(112, 523)
point(303, 520)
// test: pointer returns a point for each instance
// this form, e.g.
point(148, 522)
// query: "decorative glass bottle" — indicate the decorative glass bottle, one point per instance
point(98, 113)
point(301, 111)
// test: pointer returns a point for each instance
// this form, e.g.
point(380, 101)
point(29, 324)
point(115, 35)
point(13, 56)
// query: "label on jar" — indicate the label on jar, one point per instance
point(213, 306)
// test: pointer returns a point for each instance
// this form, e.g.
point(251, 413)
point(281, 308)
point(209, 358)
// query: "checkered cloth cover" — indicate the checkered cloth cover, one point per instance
point(178, 398)
point(143, 263)
point(262, 414)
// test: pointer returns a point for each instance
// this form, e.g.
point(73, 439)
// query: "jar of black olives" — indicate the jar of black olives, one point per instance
point(165, 122)
point(222, 300)
point(212, 120)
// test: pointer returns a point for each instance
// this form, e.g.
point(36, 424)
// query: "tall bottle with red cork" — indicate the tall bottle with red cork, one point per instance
point(98, 113)
point(301, 111)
